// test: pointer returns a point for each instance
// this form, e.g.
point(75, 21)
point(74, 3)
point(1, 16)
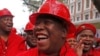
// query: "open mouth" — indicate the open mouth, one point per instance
point(41, 37)
point(9, 26)
point(87, 45)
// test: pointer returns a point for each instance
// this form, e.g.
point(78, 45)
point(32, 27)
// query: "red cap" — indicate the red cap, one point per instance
point(86, 26)
point(56, 9)
point(29, 26)
point(71, 35)
point(5, 12)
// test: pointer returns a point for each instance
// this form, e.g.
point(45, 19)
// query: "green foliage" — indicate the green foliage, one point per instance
point(33, 5)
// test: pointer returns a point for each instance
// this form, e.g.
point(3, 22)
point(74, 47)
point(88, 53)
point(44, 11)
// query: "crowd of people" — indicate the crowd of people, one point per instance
point(49, 32)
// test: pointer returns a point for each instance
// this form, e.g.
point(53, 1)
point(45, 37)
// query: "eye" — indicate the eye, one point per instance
point(91, 36)
point(83, 35)
point(7, 19)
point(37, 22)
point(48, 22)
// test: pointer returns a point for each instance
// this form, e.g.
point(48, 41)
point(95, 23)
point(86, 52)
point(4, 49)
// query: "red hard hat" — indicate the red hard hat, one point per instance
point(54, 8)
point(29, 26)
point(5, 12)
point(71, 36)
point(85, 26)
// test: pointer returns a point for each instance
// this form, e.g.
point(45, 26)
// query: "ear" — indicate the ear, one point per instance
point(64, 34)
point(77, 38)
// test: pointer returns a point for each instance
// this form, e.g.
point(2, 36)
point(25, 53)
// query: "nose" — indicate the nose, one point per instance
point(9, 20)
point(88, 38)
point(40, 26)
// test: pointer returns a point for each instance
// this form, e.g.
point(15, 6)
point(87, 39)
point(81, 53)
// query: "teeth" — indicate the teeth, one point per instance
point(41, 36)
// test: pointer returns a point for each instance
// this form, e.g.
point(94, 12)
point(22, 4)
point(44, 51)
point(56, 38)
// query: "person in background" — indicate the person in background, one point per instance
point(85, 35)
point(30, 39)
point(52, 24)
point(10, 43)
point(71, 40)
point(97, 4)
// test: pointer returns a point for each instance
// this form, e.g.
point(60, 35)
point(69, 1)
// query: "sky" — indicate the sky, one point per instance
point(20, 12)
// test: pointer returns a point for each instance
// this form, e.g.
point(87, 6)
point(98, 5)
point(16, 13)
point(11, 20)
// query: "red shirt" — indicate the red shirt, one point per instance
point(93, 52)
point(34, 52)
point(14, 45)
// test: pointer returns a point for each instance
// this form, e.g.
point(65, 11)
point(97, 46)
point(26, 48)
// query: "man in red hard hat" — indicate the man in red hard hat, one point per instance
point(30, 39)
point(52, 24)
point(10, 43)
point(85, 36)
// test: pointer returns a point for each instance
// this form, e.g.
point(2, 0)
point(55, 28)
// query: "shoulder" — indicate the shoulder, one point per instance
point(22, 53)
point(95, 52)
point(18, 37)
point(31, 52)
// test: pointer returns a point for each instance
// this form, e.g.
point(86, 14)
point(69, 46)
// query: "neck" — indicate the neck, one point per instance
point(4, 35)
point(86, 51)
point(50, 54)
point(55, 54)
point(54, 51)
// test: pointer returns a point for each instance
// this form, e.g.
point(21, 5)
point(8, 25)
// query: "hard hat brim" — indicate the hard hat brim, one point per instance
point(70, 25)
